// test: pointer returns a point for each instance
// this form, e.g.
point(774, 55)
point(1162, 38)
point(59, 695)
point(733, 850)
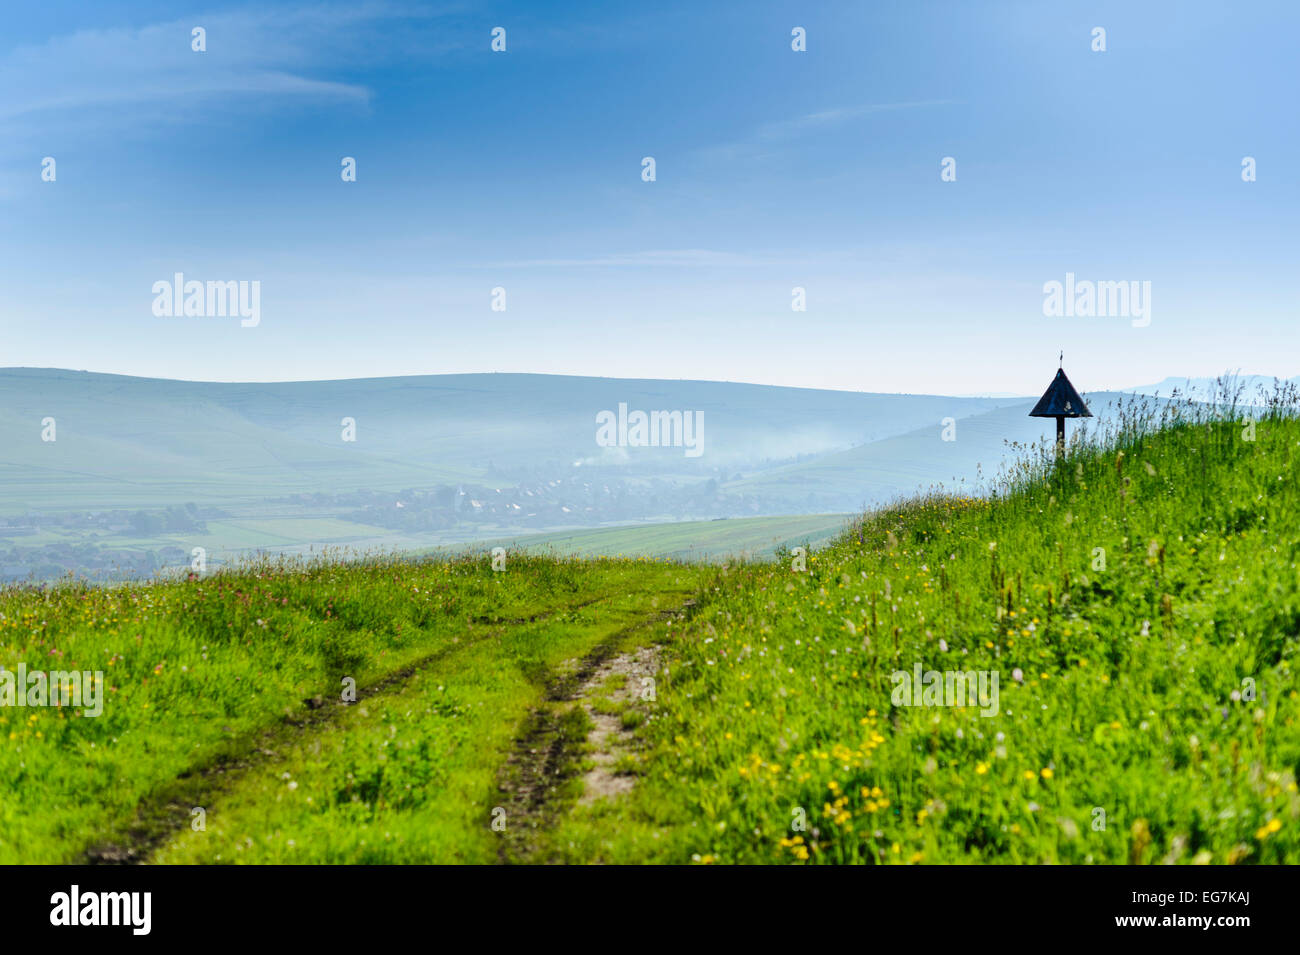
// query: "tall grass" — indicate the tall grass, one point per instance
point(1138, 600)
point(193, 669)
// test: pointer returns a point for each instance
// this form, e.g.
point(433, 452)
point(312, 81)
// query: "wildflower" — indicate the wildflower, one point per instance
point(1270, 827)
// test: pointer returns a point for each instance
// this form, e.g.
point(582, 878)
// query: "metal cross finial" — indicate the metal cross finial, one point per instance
point(1061, 363)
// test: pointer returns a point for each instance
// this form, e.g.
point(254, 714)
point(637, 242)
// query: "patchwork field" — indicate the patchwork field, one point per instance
point(749, 538)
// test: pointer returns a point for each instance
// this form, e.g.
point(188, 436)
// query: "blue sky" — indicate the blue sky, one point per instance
point(775, 169)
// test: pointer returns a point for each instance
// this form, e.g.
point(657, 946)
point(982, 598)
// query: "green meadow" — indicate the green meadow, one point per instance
point(1138, 603)
point(753, 538)
point(203, 676)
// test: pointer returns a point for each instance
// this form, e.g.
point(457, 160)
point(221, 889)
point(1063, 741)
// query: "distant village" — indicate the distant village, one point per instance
point(106, 545)
point(85, 553)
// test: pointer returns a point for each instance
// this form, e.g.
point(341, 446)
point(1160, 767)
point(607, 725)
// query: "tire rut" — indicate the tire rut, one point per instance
point(548, 750)
point(167, 810)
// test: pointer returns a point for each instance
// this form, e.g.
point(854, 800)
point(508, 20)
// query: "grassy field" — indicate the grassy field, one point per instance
point(756, 538)
point(204, 676)
point(1139, 606)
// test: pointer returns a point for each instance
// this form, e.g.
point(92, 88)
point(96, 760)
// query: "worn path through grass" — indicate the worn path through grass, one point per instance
point(205, 683)
point(458, 761)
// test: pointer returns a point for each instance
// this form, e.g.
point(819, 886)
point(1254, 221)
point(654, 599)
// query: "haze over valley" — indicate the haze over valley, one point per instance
point(111, 476)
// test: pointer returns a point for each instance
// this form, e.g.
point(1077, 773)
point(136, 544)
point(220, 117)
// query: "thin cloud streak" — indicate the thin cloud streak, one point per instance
point(266, 53)
point(788, 129)
point(781, 132)
point(673, 258)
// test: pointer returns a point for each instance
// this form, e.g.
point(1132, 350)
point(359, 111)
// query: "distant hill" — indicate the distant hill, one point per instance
point(900, 465)
point(136, 442)
point(143, 471)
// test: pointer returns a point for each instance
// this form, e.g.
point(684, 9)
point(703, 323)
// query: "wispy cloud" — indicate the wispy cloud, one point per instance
point(791, 128)
point(275, 54)
point(674, 258)
point(778, 133)
point(707, 258)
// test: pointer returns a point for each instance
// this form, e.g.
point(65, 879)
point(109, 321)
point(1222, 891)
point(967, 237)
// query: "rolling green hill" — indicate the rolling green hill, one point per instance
point(139, 474)
point(1131, 618)
point(132, 442)
point(142, 472)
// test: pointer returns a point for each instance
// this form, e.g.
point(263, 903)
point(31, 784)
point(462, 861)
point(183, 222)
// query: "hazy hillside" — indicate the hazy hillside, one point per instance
point(150, 442)
point(901, 464)
point(142, 472)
